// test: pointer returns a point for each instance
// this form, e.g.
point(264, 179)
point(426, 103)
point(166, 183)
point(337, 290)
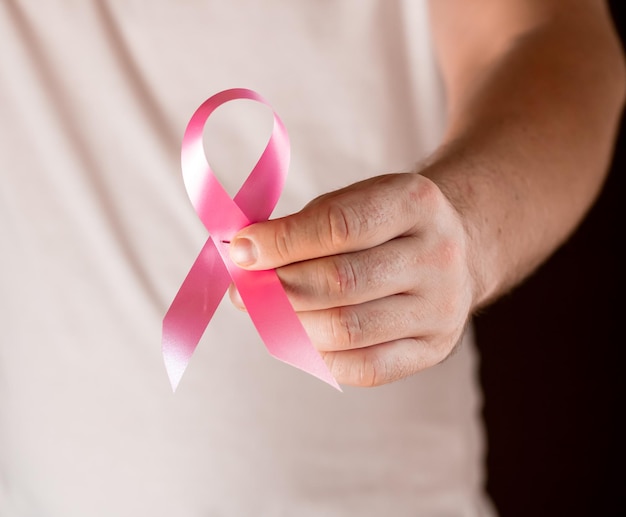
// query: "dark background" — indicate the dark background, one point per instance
point(553, 370)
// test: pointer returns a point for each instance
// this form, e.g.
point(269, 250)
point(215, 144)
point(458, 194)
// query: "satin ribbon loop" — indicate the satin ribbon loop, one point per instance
point(211, 273)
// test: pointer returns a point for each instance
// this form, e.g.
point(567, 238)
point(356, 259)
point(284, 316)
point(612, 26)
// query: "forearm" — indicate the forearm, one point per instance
point(529, 140)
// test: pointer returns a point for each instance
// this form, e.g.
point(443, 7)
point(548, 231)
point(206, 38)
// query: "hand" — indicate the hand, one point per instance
point(377, 272)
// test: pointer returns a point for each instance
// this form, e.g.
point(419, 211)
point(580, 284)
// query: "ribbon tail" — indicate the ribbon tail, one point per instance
point(191, 310)
point(277, 323)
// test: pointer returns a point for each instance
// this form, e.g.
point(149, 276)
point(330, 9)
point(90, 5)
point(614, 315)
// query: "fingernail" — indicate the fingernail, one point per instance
point(243, 252)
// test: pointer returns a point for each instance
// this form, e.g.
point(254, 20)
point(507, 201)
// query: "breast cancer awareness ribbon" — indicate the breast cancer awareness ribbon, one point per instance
point(211, 273)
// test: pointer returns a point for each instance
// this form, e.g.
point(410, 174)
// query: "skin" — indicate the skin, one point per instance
point(386, 273)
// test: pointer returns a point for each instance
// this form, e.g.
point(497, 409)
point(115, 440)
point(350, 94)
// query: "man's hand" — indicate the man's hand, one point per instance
point(385, 273)
point(378, 273)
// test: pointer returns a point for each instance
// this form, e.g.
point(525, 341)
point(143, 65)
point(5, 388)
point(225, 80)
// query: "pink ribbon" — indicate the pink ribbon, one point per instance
point(210, 275)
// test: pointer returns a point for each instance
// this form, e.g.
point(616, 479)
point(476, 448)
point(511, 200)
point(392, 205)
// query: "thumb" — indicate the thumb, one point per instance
point(276, 243)
point(358, 217)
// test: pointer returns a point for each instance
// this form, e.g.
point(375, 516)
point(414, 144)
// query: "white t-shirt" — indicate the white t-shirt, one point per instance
point(97, 234)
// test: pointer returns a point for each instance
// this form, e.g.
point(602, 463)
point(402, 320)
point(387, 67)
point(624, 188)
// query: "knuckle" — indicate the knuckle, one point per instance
point(425, 191)
point(283, 242)
point(444, 307)
point(452, 306)
point(448, 309)
point(449, 253)
point(423, 196)
point(343, 280)
point(340, 224)
point(346, 328)
point(439, 351)
point(447, 313)
point(372, 370)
